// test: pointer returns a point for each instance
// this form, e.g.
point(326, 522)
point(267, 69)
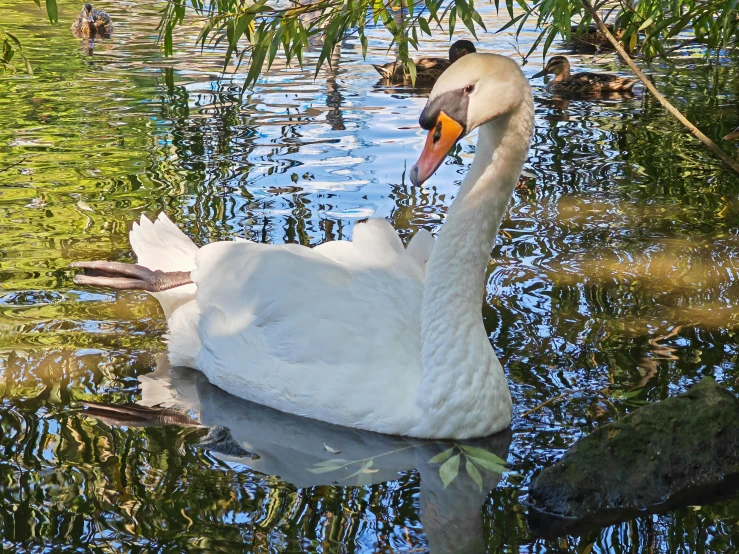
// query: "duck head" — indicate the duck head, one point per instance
point(461, 48)
point(87, 13)
point(477, 89)
point(557, 65)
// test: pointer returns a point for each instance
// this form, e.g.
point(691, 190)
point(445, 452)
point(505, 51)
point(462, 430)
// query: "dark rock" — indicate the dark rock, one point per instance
point(681, 451)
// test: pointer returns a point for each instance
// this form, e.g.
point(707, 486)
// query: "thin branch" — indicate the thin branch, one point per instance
point(560, 397)
point(723, 156)
point(527, 413)
point(565, 394)
point(11, 166)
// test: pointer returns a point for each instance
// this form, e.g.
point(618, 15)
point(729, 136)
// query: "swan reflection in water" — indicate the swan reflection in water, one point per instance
point(295, 449)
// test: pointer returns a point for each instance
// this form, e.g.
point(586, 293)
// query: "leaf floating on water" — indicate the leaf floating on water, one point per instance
point(294, 177)
point(474, 473)
point(332, 450)
point(449, 470)
point(370, 470)
point(442, 456)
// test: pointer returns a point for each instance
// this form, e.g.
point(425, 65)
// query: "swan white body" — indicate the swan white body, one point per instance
point(366, 333)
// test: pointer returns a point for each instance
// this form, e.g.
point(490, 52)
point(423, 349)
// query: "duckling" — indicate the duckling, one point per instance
point(589, 84)
point(90, 23)
point(427, 69)
point(734, 135)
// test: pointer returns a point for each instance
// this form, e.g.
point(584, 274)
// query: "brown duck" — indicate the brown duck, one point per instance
point(427, 69)
point(91, 23)
point(592, 37)
point(589, 84)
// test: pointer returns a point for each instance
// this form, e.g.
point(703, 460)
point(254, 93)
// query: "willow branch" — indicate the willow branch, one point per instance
point(723, 156)
point(565, 394)
point(6, 168)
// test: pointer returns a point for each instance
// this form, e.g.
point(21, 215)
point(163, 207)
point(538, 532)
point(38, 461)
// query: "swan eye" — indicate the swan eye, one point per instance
point(468, 89)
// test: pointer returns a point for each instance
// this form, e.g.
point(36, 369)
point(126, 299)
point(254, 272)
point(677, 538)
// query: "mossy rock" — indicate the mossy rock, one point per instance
point(680, 451)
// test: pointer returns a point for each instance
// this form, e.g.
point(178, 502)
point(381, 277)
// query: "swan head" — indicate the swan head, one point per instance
point(475, 90)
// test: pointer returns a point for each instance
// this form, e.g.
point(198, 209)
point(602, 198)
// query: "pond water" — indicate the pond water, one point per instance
point(615, 274)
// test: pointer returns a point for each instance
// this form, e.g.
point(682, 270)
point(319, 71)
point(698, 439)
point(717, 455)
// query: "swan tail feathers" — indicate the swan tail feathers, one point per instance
point(161, 245)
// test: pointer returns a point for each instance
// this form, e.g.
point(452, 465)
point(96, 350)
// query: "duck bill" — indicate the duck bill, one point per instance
point(439, 142)
point(734, 135)
point(540, 74)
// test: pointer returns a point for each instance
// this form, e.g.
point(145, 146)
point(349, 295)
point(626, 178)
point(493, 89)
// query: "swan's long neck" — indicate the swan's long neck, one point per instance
point(460, 372)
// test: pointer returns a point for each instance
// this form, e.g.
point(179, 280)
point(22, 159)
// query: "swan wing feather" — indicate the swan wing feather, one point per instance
point(420, 247)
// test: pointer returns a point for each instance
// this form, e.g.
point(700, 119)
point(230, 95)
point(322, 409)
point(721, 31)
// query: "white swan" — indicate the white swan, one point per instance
point(365, 333)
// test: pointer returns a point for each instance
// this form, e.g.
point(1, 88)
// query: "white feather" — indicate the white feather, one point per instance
point(162, 246)
point(421, 246)
point(306, 333)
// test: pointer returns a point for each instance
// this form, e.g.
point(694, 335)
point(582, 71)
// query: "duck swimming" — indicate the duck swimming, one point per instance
point(427, 69)
point(90, 23)
point(362, 333)
point(591, 37)
point(582, 83)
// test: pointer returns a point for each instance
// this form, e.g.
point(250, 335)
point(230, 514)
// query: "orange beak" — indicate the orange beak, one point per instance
point(439, 142)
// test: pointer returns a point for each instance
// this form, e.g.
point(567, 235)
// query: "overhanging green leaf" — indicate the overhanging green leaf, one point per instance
point(52, 11)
